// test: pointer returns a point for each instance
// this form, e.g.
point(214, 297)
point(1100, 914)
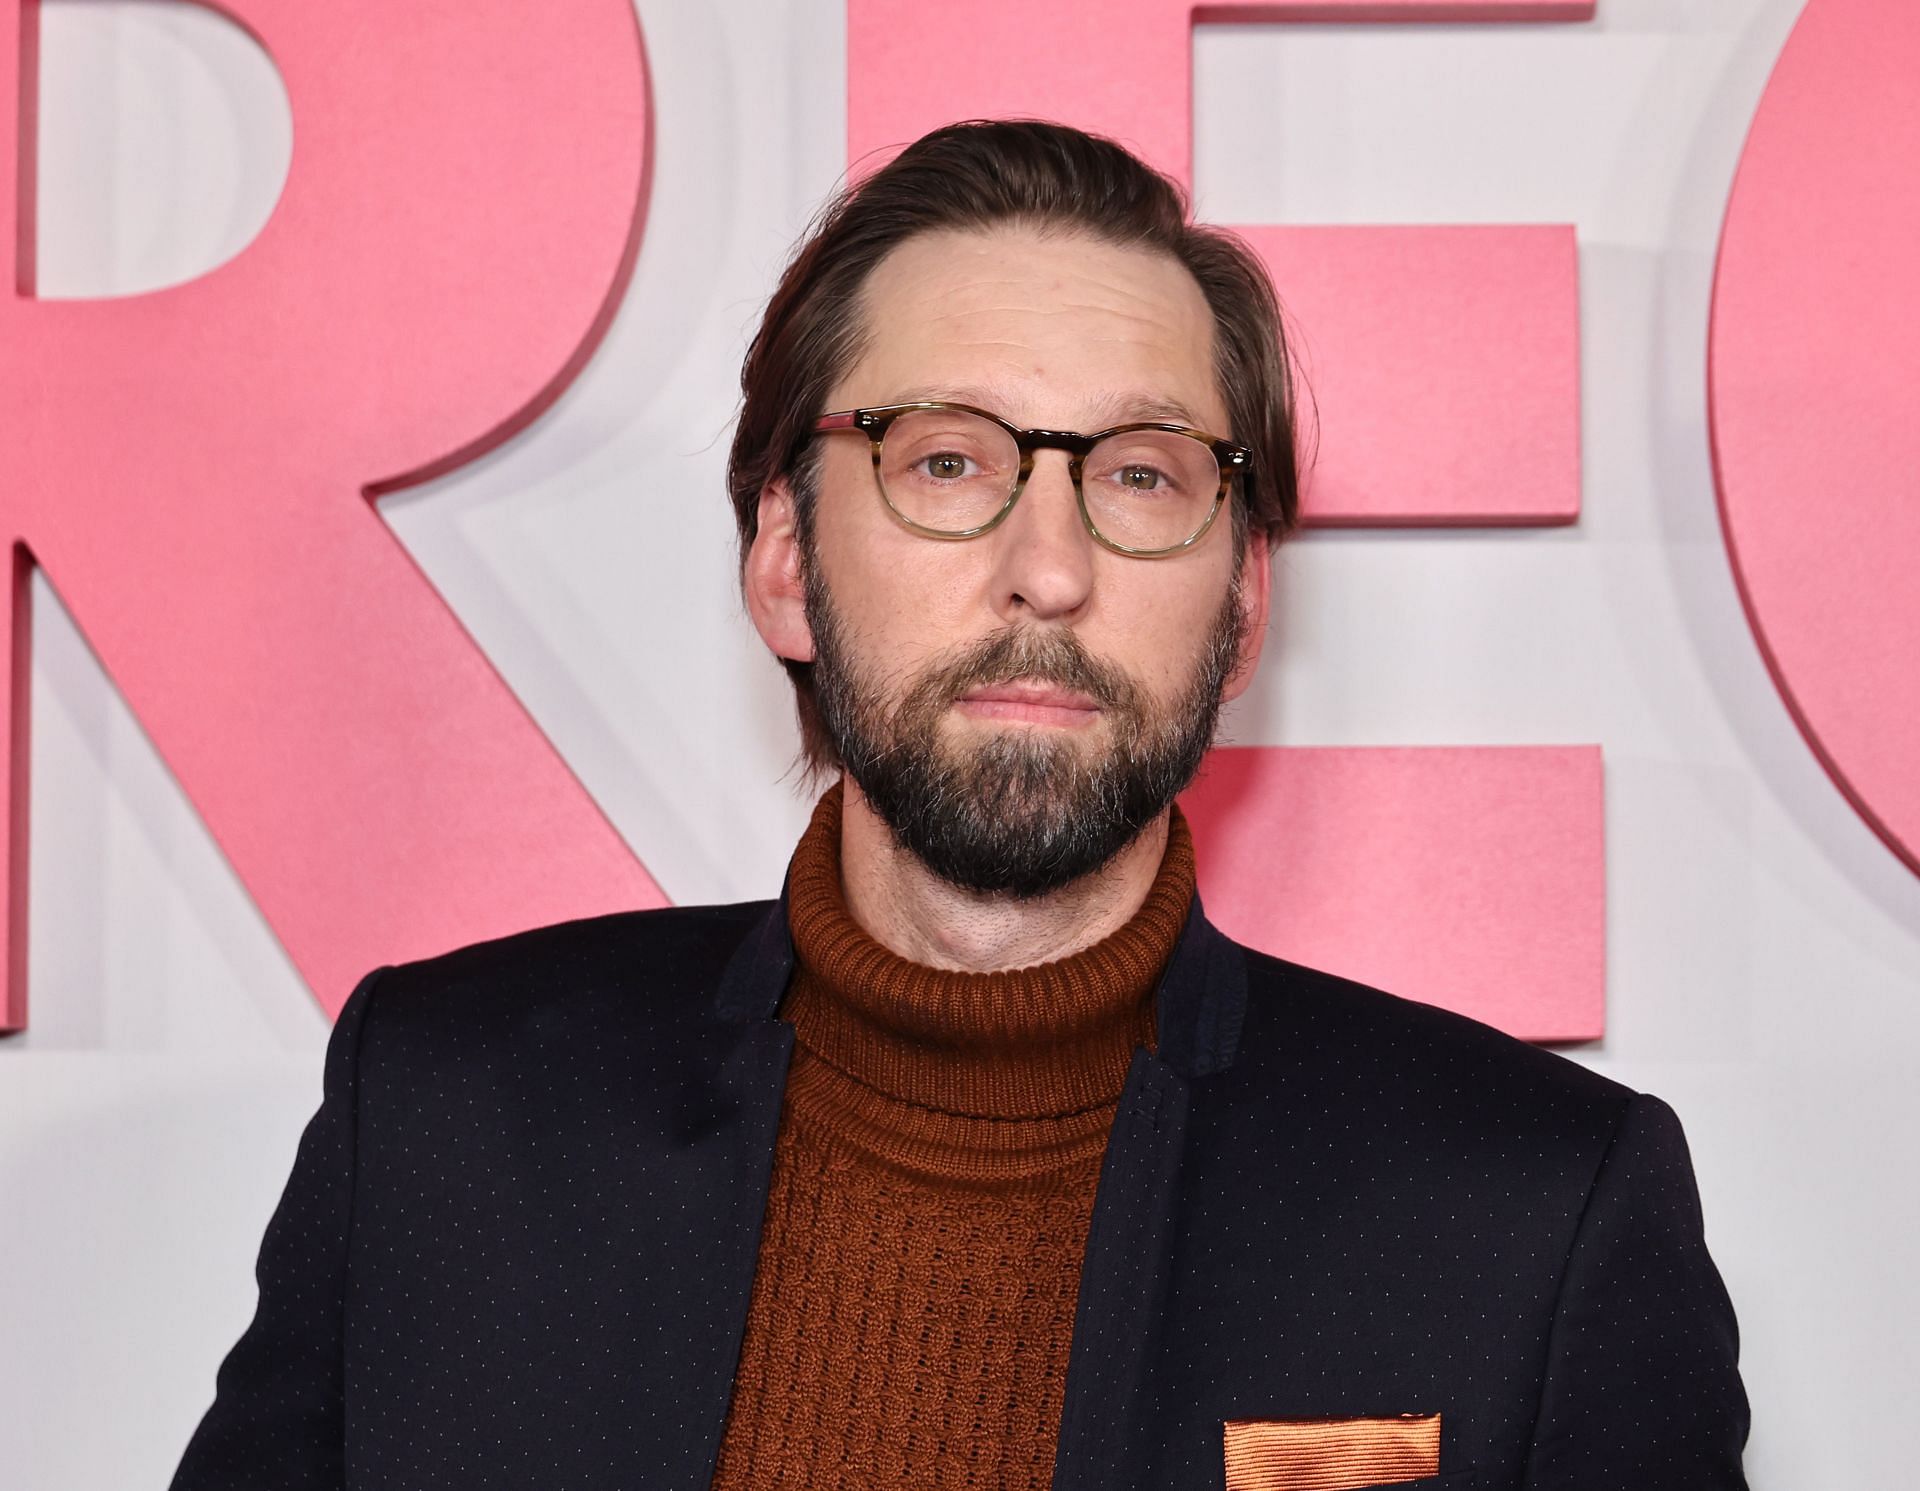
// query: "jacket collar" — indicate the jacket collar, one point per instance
point(1202, 999)
point(1198, 1008)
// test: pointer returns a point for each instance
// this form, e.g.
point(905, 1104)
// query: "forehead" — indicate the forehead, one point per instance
point(1057, 329)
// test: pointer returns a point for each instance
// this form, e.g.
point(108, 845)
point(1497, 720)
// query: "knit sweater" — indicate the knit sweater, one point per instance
point(932, 1185)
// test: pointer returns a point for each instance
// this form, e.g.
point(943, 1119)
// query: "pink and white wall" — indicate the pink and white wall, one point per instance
point(1609, 778)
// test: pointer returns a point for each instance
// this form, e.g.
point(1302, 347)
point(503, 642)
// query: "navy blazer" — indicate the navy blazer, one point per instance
point(519, 1238)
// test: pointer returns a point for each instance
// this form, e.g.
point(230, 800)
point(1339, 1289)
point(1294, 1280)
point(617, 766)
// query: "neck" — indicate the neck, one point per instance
point(909, 910)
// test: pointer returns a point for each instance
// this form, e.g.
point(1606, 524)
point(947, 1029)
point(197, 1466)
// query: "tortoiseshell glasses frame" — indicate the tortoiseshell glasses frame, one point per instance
point(1232, 460)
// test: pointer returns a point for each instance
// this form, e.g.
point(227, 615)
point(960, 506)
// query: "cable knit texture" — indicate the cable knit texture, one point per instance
point(932, 1184)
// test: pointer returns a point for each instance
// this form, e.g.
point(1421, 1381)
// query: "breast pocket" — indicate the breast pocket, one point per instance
point(1337, 1454)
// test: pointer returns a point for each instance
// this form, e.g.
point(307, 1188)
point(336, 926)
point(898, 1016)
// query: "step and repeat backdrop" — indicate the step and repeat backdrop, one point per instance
point(364, 397)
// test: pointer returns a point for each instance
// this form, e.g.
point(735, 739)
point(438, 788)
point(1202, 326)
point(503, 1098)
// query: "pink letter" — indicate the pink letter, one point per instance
point(193, 469)
point(1814, 387)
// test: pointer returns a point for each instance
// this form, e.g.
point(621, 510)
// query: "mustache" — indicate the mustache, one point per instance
point(1027, 654)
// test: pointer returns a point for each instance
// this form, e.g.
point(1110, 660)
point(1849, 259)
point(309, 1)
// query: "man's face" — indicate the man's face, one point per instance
point(1018, 706)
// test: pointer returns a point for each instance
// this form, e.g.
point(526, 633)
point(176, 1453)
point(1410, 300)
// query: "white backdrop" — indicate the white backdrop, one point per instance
point(1764, 946)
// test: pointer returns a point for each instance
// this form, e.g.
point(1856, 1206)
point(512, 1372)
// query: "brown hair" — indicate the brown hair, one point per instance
point(983, 174)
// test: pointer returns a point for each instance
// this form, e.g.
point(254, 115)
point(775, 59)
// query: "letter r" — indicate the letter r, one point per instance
point(191, 469)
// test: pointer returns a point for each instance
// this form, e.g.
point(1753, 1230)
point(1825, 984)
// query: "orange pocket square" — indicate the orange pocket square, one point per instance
point(1330, 1454)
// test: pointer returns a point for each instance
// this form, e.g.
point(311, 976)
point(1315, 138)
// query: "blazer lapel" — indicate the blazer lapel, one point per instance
point(1198, 1012)
point(728, 1120)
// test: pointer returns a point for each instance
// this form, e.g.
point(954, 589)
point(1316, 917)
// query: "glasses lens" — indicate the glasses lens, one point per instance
point(1150, 489)
point(946, 470)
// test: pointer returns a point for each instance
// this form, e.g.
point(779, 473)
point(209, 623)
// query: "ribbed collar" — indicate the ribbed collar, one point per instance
point(1027, 1044)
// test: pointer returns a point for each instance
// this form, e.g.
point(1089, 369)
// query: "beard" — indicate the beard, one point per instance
point(1023, 811)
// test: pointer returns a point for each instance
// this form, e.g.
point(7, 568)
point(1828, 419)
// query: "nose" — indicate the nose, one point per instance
point(1043, 554)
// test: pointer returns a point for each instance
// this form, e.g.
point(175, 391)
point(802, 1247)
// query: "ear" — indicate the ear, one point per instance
point(776, 596)
point(1256, 600)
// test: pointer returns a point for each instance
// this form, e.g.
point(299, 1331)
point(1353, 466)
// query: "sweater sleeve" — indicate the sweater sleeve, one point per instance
point(276, 1419)
point(1642, 1386)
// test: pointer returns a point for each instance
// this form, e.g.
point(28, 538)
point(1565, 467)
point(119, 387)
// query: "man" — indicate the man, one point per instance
point(979, 1158)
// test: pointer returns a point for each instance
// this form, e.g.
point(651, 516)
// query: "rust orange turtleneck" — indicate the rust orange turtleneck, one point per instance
point(932, 1184)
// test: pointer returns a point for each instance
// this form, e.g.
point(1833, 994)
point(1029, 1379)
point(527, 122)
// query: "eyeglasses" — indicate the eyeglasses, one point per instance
point(951, 471)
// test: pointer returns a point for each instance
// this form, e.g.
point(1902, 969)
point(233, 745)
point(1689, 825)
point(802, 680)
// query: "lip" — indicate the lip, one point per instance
point(1034, 703)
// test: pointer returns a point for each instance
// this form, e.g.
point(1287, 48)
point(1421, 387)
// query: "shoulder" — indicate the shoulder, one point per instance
point(591, 946)
point(649, 972)
point(1349, 1053)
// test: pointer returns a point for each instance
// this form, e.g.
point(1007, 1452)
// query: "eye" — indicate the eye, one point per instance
point(945, 465)
point(1139, 478)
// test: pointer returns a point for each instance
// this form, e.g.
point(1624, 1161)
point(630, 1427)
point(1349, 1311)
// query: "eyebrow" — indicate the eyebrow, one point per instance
point(1115, 408)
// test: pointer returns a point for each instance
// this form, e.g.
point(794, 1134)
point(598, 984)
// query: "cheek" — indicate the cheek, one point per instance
point(904, 597)
point(1160, 630)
